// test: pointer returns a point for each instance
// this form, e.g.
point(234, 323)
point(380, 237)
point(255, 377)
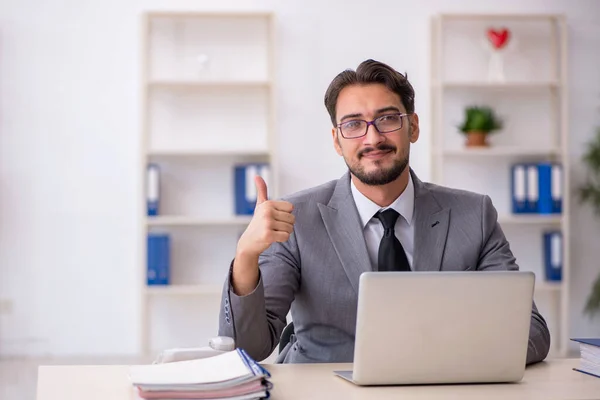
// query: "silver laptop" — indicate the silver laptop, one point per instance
point(441, 327)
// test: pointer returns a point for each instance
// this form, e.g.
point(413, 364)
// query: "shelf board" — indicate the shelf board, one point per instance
point(501, 16)
point(183, 290)
point(207, 153)
point(197, 221)
point(530, 219)
point(209, 14)
point(497, 85)
point(195, 84)
point(499, 151)
point(545, 286)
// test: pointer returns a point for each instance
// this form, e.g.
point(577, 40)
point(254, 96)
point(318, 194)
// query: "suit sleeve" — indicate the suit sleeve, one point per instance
point(256, 321)
point(496, 255)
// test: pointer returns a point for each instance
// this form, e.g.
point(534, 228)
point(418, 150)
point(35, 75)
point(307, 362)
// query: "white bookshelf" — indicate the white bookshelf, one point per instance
point(533, 105)
point(207, 105)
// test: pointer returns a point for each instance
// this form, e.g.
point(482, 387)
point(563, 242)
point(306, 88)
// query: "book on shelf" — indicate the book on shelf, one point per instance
point(152, 189)
point(231, 375)
point(536, 188)
point(589, 361)
point(533, 192)
point(158, 258)
point(519, 189)
point(550, 188)
point(245, 188)
point(553, 255)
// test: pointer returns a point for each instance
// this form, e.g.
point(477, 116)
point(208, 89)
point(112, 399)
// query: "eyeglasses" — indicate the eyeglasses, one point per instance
point(356, 128)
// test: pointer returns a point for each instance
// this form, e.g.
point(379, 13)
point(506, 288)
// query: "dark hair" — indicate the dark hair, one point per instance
point(370, 71)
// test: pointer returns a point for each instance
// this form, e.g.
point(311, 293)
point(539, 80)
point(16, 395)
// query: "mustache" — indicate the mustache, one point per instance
point(381, 147)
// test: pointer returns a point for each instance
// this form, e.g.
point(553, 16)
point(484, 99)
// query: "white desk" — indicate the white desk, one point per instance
point(553, 379)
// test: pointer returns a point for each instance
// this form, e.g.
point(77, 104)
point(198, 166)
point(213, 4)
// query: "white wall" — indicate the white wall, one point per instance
point(69, 136)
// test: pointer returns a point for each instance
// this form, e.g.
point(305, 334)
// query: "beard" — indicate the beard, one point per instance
point(382, 176)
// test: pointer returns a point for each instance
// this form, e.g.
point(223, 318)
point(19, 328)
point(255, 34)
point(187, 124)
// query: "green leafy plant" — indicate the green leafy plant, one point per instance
point(480, 119)
point(589, 192)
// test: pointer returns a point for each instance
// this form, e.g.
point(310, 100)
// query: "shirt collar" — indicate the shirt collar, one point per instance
point(404, 204)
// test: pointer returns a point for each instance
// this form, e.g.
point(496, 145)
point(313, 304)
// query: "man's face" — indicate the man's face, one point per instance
point(375, 158)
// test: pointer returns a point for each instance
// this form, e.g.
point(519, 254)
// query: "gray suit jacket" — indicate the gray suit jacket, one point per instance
point(316, 272)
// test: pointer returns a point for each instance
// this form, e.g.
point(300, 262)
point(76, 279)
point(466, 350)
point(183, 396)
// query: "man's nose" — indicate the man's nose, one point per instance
point(373, 136)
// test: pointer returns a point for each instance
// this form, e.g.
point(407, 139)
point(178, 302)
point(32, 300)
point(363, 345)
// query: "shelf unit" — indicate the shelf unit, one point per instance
point(533, 104)
point(208, 103)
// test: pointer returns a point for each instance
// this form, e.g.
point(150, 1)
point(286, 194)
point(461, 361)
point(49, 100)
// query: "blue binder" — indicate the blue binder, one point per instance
point(158, 259)
point(244, 187)
point(557, 188)
point(519, 188)
point(533, 188)
point(152, 189)
point(550, 188)
point(553, 255)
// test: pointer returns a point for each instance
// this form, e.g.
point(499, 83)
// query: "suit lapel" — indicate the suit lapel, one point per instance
point(344, 228)
point(431, 229)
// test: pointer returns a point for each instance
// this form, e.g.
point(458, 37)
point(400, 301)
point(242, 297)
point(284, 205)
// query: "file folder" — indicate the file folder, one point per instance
point(557, 188)
point(550, 188)
point(158, 259)
point(245, 188)
point(519, 189)
point(553, 255)
point(533, 191)
point(152, 189)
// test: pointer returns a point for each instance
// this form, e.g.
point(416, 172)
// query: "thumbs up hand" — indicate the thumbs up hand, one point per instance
point(272, 222)
point(261, 190)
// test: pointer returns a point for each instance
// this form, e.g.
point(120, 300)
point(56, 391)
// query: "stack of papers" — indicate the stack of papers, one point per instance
point(232, 375)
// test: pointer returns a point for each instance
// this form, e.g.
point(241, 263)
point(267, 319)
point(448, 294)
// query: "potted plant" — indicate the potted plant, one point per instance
point(479, 122)
point(589, 192)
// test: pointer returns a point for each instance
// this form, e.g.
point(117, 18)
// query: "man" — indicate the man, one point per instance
point(308, 251)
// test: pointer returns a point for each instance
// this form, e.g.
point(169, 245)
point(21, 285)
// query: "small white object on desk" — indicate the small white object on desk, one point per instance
point(217, 345)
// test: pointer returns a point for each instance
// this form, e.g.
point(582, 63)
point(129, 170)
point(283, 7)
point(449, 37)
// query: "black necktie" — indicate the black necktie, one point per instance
point(391, 253)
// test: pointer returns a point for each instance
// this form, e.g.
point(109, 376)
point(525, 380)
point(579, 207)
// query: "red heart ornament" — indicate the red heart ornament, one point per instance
point(499, 38)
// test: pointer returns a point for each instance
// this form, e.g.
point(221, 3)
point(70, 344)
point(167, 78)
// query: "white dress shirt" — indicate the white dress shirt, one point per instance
point(372, 228)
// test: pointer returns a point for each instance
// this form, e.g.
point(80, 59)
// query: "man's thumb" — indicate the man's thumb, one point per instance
point(261, 189)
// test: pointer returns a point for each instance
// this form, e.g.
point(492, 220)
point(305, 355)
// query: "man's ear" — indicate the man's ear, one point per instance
point(336, 141)
point(414, 127)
